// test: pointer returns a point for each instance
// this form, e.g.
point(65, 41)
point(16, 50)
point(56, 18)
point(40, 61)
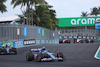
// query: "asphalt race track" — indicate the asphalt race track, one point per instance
point(77, 55)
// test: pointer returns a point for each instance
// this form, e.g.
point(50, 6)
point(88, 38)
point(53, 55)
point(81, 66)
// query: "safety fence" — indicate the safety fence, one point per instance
point(79, 32)
point(9, 32)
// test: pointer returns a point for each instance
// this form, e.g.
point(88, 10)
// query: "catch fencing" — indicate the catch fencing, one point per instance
point(79, 32)
point(9, 32)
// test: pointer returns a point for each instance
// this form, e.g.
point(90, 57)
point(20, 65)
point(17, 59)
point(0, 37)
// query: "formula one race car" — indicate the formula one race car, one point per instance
point(6, 50)
point(64, 41)
point(78, 40)
point(43, 55)
point(89, 41)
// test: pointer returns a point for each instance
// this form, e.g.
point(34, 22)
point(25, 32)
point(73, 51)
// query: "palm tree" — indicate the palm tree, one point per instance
point(22, 17)
point(95, 11)
point(43, 16)
point(84, 14)
point(28, 3)
point(46, 16)
point(2, 6)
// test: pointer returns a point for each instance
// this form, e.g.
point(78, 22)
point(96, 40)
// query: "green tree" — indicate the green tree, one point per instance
point(46, 16)
point(43, 16)
point(2, 6)
point(95, 11)
point(84, 14)
point(22, 17)
point(28, 3)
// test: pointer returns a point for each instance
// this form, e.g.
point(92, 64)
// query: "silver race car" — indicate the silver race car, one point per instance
point(7, 50)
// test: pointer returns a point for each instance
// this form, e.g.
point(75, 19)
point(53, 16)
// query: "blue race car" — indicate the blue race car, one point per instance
point(43, 55)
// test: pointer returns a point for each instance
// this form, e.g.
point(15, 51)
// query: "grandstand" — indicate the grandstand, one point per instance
point(8, 20)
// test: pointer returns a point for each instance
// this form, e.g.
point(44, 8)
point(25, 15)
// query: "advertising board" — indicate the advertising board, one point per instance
point(29, 41)
point(25, 31)
point(77, 21)
point(43, 32)
point(97, 25)
point(50, 41)
point(42, 41)
point(37, 41)
point(46, 41)
point(39, 30)
point(10, 43)
point(19, 43)
point(0, 45)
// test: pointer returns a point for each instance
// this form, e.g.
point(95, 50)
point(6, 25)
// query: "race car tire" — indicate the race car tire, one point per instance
point(4, 51)
point(87, 41)
point(75, 41)
point(91, 41)
point(60, 55)
point(13, 50)
point(68, 41)
point(39, 57)
point(0, 50)
point(82, 42)
point(29, 56)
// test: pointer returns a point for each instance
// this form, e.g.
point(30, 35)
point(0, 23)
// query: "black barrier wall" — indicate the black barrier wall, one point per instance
point(10, 32)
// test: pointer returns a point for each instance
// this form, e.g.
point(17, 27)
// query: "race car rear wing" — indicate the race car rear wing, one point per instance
point(35, 50)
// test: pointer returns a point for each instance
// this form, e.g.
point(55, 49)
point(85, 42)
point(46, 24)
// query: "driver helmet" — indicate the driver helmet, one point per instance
point(43, 48)
point(6, 45)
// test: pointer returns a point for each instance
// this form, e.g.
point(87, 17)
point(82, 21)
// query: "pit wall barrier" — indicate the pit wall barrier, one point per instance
point(46, 41)
point(22, 43)
point(17, 43)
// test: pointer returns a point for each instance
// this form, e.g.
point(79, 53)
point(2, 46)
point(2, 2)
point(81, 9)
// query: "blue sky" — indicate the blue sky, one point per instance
point(64, 8)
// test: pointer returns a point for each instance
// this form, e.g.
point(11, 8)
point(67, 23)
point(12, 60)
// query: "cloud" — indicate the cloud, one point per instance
point(72, 8)
point(64, 8)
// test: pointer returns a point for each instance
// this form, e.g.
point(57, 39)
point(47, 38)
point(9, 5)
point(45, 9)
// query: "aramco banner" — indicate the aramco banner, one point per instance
point(78, 21)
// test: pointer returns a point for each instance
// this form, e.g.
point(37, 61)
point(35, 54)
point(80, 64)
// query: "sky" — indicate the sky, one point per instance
point(63, 8)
